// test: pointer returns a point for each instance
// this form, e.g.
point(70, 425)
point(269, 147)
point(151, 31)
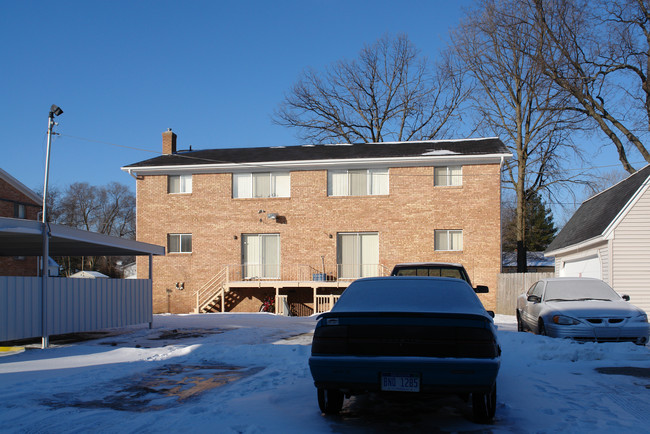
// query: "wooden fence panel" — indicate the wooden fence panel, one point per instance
point(509, 287)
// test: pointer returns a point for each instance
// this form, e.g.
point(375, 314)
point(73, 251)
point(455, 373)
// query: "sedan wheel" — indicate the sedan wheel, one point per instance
point(541, 329)
point(330, 401)
point(520, 324)
point(484, 405)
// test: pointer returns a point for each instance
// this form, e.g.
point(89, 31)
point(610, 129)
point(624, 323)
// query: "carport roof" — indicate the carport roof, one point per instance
point(20, 237)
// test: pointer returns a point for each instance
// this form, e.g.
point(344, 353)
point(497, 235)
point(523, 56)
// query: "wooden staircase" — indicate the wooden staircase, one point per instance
point(211, 296)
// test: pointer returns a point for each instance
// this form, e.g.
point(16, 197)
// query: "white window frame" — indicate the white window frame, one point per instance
point(449, 240)
point(244, 185)
point(184, 184)
point(339, 182)
point(180, 242)
point(450, 179)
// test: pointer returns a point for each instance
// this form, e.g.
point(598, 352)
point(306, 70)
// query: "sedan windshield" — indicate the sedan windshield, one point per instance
point(572, 290)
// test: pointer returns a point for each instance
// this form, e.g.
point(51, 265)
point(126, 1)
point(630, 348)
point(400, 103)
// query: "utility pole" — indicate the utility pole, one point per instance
point(54, 111)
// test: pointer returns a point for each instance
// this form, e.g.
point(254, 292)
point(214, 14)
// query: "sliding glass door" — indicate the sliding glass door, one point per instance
point(261, 256)
point(357, 254)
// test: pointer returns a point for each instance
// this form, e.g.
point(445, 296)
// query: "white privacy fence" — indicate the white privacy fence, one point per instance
point(71, 305)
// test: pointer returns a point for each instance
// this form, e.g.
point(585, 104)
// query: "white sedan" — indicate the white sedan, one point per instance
point(583, 309)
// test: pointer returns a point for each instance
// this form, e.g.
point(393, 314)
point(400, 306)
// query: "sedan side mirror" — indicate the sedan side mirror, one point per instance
point(481, 289)
point(534, 298)
point(626, 297)
point(491, 313)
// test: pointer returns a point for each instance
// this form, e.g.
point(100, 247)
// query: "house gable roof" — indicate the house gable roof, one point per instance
point(29, 193)
point(596, 214)
point(358, 151)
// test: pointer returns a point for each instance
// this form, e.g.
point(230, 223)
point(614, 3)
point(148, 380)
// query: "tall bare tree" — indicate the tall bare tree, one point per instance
point(512, 100)
point(598, 52)
point(108, 210)
point(389, 93)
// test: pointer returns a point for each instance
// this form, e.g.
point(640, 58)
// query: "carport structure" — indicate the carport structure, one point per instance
point(44, 306)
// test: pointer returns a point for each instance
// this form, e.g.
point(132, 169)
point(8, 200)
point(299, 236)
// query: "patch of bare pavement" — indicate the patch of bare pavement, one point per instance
point(161, 388)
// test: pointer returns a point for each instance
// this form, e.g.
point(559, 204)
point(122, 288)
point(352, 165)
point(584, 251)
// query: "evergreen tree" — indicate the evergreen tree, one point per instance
point(540, 228)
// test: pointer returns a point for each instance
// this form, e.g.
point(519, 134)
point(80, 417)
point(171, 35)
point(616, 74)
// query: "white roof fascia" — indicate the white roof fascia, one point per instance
point(321, 164)
point(21, 187)
point(609, 230)
point(574, 248)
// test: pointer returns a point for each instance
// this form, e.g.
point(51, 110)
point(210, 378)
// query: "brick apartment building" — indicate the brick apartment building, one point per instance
point(18, 201)
point(299, 223)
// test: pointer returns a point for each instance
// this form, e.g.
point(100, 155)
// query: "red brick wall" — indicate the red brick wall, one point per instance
point(405, 220)
point(10, 266)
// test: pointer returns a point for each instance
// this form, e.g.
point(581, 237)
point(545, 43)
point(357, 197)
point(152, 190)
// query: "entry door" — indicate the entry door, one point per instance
point(261, 256)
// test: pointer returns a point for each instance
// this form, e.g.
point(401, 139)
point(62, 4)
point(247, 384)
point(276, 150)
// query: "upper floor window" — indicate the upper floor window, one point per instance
point(179, 184)
point(357, 182)
point(267, 184)
point(179, 243)
point(448, 176)
point(448, 240)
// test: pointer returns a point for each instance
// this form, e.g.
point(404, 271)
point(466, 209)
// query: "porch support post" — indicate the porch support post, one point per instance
point(277, 293)
point(151, 281)
point(315, 290)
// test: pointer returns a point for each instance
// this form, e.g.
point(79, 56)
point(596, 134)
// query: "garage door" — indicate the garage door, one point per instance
point(585, 267)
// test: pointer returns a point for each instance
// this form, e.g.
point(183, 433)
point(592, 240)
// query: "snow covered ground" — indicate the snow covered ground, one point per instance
point(248, 373)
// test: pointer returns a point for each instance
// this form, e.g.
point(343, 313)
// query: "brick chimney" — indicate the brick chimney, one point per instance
point(169, 142)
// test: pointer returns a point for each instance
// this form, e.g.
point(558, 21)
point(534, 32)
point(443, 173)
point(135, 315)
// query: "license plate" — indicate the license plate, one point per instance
point(400, 382)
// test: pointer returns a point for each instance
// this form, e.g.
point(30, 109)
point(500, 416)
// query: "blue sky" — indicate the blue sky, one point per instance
point(213, 71)
point(123, 72)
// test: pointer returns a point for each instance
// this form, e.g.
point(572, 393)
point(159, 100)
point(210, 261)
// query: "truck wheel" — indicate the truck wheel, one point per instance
point(330, 401)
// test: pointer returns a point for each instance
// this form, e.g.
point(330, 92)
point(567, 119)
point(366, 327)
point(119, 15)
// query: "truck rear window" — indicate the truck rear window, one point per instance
point(430, 271)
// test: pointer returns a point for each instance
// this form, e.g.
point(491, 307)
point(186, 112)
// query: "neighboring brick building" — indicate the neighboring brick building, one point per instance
point(18, 201)
point(303, 221)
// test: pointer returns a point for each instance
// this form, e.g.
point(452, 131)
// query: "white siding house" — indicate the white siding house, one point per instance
point(609, 238)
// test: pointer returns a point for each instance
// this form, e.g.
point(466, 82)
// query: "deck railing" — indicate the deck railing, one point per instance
point(325, 303)
point(302, 272)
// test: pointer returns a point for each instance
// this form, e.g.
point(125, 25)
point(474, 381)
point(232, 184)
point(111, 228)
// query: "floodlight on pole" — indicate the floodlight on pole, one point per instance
point(54, 111)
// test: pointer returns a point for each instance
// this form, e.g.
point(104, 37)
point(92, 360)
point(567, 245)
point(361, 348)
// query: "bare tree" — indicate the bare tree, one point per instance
point(108, 210)
point(598, 53)
point(389, 93)
point(513, 100)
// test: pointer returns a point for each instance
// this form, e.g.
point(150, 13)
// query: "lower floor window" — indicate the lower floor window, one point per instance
point(448, 240)
point(179, 243)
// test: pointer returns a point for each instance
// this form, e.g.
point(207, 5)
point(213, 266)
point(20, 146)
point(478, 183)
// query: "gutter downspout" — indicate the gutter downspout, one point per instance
point(130, 172)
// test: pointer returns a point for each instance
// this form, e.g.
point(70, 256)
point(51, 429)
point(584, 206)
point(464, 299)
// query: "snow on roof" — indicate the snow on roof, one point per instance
point(89, 275)
point(476, 148)
point(533, 259)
